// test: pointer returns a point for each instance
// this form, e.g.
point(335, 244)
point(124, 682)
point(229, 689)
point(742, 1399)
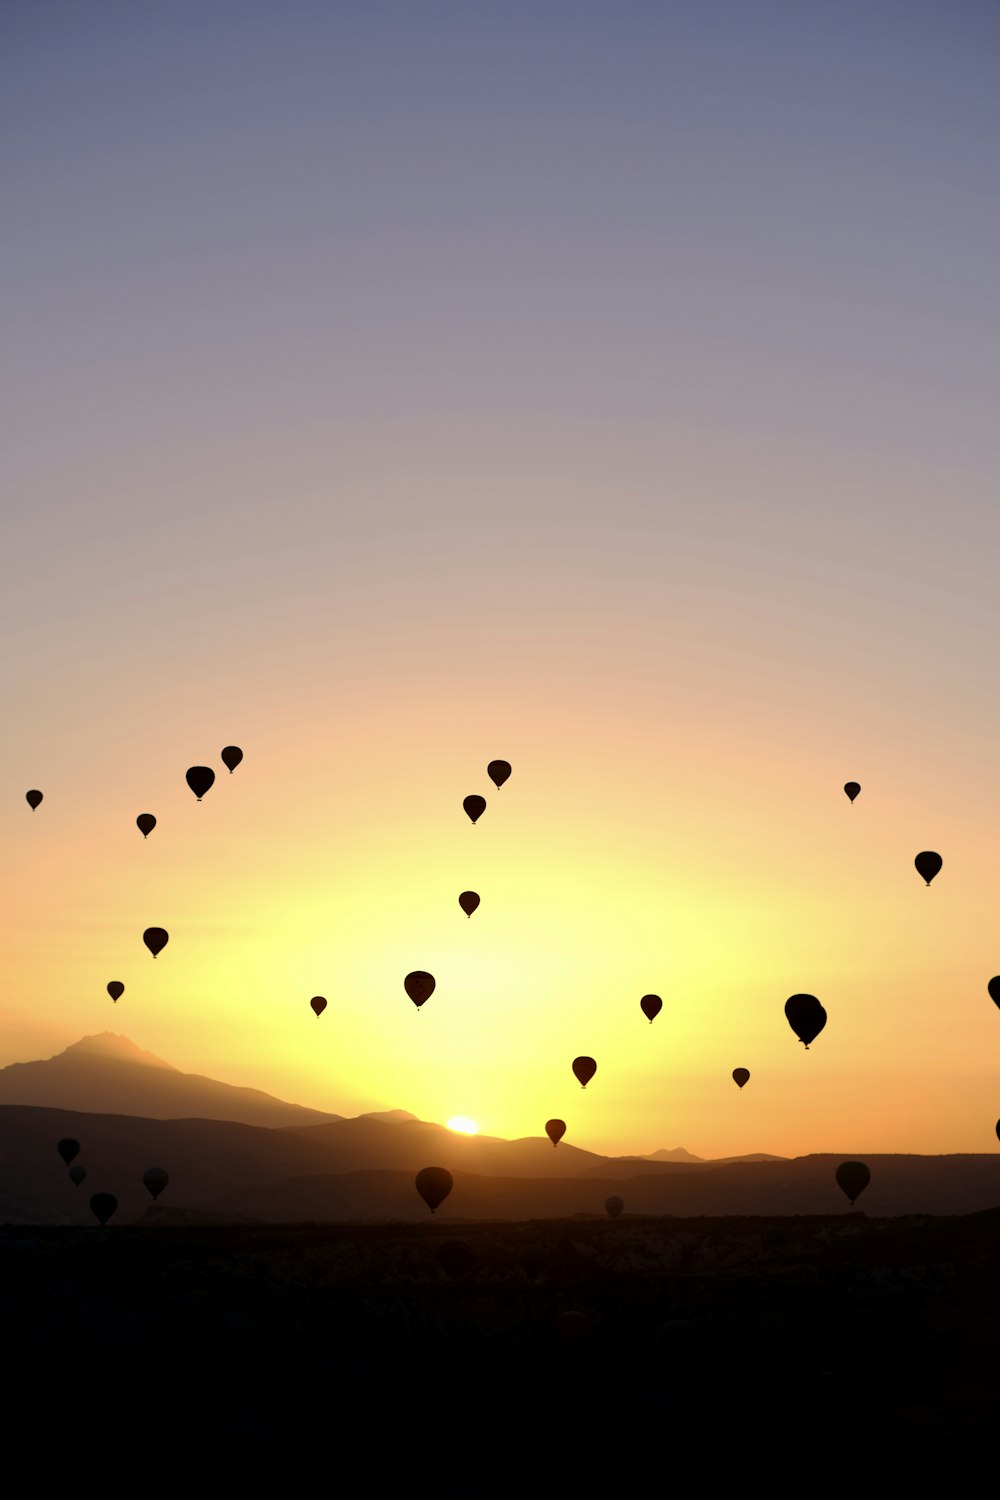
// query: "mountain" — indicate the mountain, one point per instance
point(111, 1075)
point(677, 1154)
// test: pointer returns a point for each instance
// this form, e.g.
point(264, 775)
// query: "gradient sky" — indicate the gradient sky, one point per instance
point(606, 387)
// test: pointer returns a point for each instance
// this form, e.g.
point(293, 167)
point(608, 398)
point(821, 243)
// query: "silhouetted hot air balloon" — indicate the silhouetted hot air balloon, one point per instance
point(154, 1180)
point(68, 1148)
point(33, 798)
point(584, 1068)
point(456, 1259)
point(651, 1005)
point(145, 823)
point(434, 1184)
point(555, 1130)
point(998, 1130)
point(806, 1017)
point(928, 864)
point(116, 989)
point(852, 788)
point(156, 939)
point(852, 1178)
point(102, 1206)
point(475, 807)
point(419, 986)
point(468, 901)
point(200, 779)
point(994, 989)
point(77, 1174)
point(231, 757)
point(614, 1206)
point(318, 1004)
point(741, 1076)
point(498, 771)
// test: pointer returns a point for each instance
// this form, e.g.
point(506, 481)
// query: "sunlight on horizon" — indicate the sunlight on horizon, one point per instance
point(462, 1125)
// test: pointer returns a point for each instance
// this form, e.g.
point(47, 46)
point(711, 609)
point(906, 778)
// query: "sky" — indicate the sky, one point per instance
point(611, 389)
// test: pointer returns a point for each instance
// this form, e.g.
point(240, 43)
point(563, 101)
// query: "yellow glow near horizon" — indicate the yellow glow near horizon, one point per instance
point(462, 1125)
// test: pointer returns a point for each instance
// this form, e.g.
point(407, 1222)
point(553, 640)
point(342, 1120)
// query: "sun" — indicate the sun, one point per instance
point(463, 1125)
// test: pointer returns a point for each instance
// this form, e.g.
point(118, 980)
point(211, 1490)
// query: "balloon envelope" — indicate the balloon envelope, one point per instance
point(651, 1005)
point(994, 989)
point(77, 1174)
point(475, 807)
point(154, 1180)
point(852, 788)
point(555, 1130)
point(145, 823)
point(156, 939)
point(928, 864)
point(102, 1206)
point(468, 901)
point(584, 1068)
point(741, 1076)
point(318, 1004)
point(852, 1178)
point(498, 771)
point(614, 1206)
point(33, 799)
point(68, 1148)
point(434, 1184)
point(200, 779)
point(806, 1017)
point(116, 989)
point(419, 986)
point(231, 757)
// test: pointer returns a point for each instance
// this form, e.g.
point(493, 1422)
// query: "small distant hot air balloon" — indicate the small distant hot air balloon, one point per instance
point(994, 989)
point(102, 1206)
point(419, 986)
point(614, 1206)
point(584, 1068)
point(998, 1130)
point(200, 779)
point(852, 1178)
point(928, 864)
point(475, 807)
point(156, 939)
point(231, 757)
point(468, 901)
point(68, 1148)
point(77, 1174)
point(116, 989)
point(555, 1130)
point(651, 1005)
point(434, 1184)
point(741, 1076)
point(318, 1004)
point(498, 771)
point(852, 788)
point(33, 798)
point(145, 823)
point(806, 1017)
point(154, 1180)
point(456, 1259)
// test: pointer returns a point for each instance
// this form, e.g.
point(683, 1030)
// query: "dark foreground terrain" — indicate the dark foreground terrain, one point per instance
point(806, 1352)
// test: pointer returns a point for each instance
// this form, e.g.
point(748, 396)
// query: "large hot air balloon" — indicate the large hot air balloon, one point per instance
point(156, 939)
point(33, 798)
point(475, 807)
point(200, 779)
point(852, 788)
point(68, 1148)
point(651, 1005)
point(741, 1076)
point(318, 1004)
point(498, 771)
point(77, 1174)
point(852, 1178)
point(806, 1017)
point(584, 1068)
point(928, 864)
point(434, 1184)
point(145, 823)
point(231, 757)
point(102, 1206)
point(154, 1180)
point(994, 989)
point(116, 989)
point(555, 1130)
point(419, 986)
point(614, 1206)
point(468, 901)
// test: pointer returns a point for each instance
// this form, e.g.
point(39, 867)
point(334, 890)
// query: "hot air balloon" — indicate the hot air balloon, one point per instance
point(741, 1076)
point(145, 823)
point(806, 1017)
point(318, 1004)
point(116, 989)
point(994, 989)
point(231, 757)
point(154, 1180)
point(651, 1005)
point(434, 1184)
point(928, 864)
point(584, 1068)
point(852, 788)
point(852, 1178)
point(468, 901)
point(200, 779)
point(475, 807)
point(77, 1174)
point(498, 771)
point(614, 1206)
point(419, 986)
point(68, 1148)
point(102, 1206)
point(33, 799)
point(998, 1130)
point(456, 1259)
point(555, 1130)
point(156, 939)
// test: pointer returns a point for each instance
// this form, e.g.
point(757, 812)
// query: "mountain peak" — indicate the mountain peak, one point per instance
point(110, 1044)
point(677, 1154)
